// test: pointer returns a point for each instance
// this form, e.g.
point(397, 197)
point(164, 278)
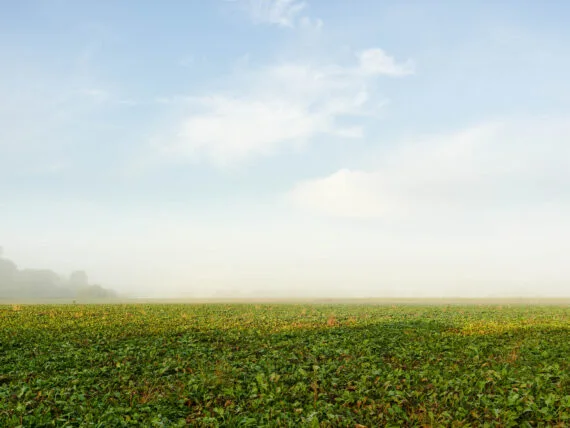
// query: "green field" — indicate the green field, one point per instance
point(338, 365)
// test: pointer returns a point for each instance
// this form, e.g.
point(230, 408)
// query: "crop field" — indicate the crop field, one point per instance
point(319, 365)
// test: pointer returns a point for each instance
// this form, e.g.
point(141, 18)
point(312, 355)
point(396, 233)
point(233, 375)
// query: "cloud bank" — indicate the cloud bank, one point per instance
point(492, 167)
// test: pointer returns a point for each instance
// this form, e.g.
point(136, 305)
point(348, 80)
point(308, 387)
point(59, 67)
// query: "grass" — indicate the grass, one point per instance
point(337, 365)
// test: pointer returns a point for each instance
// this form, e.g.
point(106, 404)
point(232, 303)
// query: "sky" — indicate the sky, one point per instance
point(323, 148)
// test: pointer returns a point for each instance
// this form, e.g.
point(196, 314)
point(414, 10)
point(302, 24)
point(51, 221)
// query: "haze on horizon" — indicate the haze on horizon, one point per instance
point(289, 147)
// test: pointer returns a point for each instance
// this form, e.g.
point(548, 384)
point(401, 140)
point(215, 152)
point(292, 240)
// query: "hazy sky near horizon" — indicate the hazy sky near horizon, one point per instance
point(307, 147)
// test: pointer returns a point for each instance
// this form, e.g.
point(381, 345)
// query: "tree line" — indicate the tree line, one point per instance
point(18, 283)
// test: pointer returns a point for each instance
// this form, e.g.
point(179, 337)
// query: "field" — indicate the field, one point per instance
point(338, 365)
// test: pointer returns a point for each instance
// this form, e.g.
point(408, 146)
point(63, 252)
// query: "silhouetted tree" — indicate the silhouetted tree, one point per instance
point(44, 283)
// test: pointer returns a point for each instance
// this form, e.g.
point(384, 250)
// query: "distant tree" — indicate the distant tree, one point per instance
point(43, 277)
point(8, 270)
point(39, 283)
point(78, 279)
point(44, 283)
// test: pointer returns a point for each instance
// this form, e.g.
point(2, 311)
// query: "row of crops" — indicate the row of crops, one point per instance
point(284, 365)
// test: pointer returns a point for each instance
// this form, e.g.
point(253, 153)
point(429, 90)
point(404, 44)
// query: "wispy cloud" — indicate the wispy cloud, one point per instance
point(376, 61)
point(282, 13)
point(279, 12)
point(282, 104)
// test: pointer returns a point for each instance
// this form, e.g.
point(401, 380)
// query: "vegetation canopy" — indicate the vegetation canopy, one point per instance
point(284, 365)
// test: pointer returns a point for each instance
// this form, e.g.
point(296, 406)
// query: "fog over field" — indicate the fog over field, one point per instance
point(285, 148)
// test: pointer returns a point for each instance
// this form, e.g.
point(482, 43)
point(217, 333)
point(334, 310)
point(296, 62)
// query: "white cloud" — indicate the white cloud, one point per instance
point(284, 13)
point(282, 104)
point(376, 61)
point(345, 193)
point(508, 166)
point(234, 128)
point(281, 13)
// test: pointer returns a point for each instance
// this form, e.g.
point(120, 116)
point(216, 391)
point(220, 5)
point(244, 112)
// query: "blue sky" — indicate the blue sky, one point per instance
point(288, 146)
